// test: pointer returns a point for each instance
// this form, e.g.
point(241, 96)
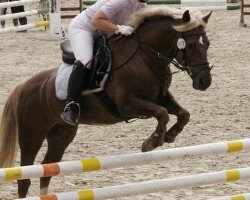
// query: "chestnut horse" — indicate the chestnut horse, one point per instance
point(138, 89)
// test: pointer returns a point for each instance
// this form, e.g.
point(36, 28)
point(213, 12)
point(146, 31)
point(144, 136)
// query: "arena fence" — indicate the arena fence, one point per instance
point(78, 9)
point(205, 8)
point(244, 12)
point(84, 3)
point(54, 17)
point(19, 15)
point(22, 14)
point(17, 3)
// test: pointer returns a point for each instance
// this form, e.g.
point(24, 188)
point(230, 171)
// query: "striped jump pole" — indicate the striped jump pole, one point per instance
point(19, 15)
point(107, 163)
point(185, 1)
point(189, 1)
point(17, 3)
point(151, 186)
point(89, 2)
point(169, 1)
point(245, 196)
point(23, 28)
point(213, 8)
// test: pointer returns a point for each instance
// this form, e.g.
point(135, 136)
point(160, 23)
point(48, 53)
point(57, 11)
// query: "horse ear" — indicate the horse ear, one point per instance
point(186, 16)
point(206, 18)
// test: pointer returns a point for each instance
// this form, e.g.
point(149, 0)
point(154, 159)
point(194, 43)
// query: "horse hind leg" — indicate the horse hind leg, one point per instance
point(58, 139)
point(29, 149)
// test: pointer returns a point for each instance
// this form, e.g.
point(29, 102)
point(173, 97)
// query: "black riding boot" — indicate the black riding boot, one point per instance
point(71, 112)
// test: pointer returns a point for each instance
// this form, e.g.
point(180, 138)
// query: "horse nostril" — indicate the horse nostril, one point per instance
point(201, 82)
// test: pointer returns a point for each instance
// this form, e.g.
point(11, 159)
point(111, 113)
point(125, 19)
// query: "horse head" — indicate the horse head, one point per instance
point(191, 52)
point(168, 35)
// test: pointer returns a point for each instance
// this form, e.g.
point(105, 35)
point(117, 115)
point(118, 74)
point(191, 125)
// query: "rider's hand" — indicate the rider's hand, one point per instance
point(124, 30)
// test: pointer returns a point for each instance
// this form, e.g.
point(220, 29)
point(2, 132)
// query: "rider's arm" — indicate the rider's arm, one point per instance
point(100, 21)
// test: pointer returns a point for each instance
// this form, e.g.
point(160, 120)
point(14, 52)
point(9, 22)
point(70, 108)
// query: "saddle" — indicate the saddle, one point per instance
point(101, 66)
point(101, 61)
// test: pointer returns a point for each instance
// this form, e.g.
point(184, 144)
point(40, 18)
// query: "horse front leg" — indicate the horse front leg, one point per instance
point(138, 107)
point(182, 115)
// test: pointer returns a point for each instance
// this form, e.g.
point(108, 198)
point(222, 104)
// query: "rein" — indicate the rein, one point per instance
point(121, 65)
point(183, 67)
point(138, 45)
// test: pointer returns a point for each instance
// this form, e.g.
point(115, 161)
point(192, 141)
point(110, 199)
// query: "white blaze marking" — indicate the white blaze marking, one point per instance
point(201, 40)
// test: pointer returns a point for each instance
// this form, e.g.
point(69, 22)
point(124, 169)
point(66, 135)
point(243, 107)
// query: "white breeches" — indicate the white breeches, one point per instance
point(82, 42)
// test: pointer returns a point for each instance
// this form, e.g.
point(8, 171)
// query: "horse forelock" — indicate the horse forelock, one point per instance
point(196, 17)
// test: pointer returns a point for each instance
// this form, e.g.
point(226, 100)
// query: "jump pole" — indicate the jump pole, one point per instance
point(213, 8)
point(17, 3)
point(245, 196)
point(184, 1)
point(18, 15)
point(170, 1)
point(23, 28)
point(151, 186)
point(112, 162)
point(205, 8)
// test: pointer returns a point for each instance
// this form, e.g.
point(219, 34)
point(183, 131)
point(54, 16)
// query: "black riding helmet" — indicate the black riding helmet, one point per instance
point(143, 1)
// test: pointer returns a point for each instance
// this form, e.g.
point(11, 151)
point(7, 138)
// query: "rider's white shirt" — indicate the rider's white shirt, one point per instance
point(117, 11)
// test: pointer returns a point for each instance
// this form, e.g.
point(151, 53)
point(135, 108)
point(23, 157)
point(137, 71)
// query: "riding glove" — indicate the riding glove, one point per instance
point(124, 30)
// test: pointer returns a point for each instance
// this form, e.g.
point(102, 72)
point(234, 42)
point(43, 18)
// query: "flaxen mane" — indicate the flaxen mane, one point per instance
point(139, 17)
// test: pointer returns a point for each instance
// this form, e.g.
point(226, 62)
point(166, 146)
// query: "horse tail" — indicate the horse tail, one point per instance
point(9, 129)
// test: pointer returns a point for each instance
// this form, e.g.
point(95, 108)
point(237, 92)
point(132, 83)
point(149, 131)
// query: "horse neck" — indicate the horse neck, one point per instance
point(159, 34)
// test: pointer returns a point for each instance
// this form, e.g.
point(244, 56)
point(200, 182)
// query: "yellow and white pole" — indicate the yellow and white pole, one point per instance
point(134, 189)
point(24, 27)
point(107, 163)
point(245, 196)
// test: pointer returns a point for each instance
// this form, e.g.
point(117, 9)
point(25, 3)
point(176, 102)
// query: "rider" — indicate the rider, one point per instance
point(104, 16)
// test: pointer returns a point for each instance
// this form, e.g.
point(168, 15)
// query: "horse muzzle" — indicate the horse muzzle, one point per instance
point(202, 80)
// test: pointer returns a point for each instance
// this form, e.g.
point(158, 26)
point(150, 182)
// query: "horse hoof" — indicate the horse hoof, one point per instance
point(147, 146)
point(143, 148)
point(168, 139)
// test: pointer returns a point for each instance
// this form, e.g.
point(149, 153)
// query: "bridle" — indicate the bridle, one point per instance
point(181, 45)
point(186, 64)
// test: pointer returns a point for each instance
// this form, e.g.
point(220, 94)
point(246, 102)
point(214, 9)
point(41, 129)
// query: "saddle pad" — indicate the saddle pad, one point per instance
point(62, 80)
